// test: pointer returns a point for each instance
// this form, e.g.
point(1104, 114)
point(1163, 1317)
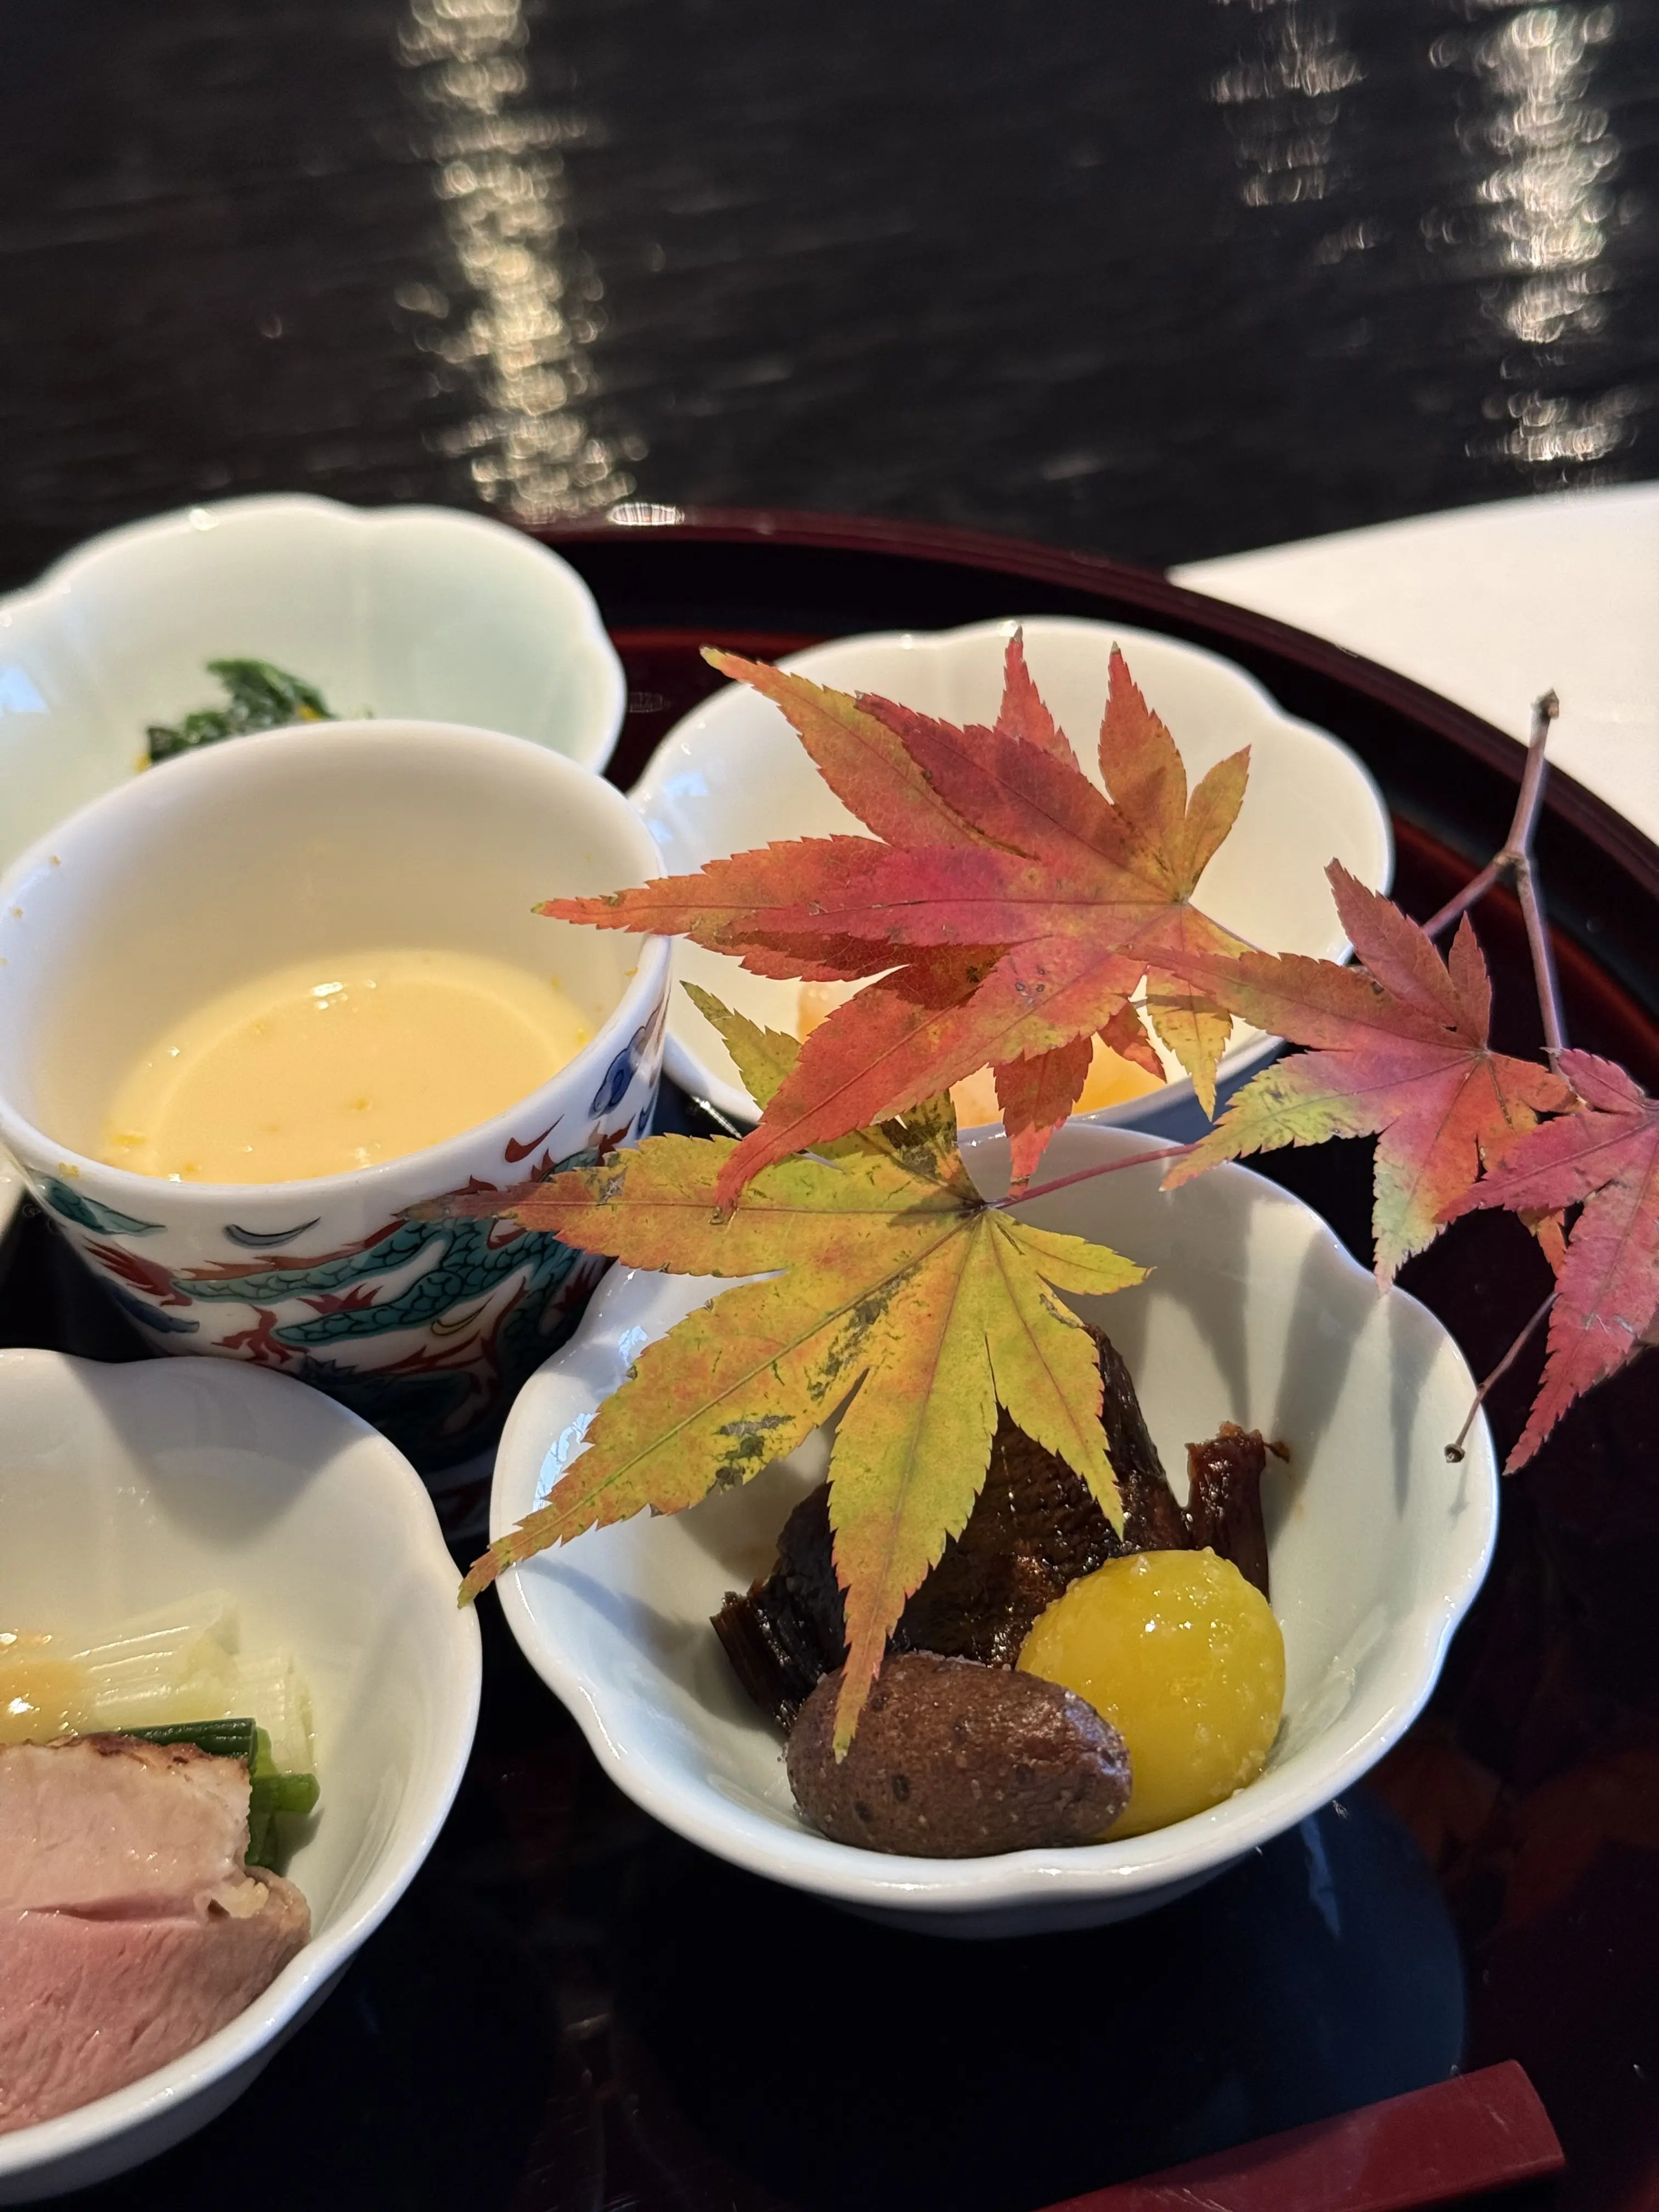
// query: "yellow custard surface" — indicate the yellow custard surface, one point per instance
point(329, 1064)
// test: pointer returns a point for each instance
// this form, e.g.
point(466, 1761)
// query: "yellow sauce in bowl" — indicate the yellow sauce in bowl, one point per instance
point(326, 1065)
point(41, 1695)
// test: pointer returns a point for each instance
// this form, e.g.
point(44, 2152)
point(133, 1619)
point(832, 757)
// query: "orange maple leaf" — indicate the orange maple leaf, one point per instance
point(1608, 1274)
point(1008, 908)
point(1401, 1053)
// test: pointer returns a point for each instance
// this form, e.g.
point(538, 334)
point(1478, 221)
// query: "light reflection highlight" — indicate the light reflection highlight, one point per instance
point(1284, 104)
point(1547, 197)
point(1539, 223)
point(533, 304)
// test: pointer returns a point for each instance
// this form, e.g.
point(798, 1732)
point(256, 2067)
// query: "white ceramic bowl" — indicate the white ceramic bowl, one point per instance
point(123, 1488)
point(221, 866)
point(1254, 1312)
point(734, 775)
point(415, 611)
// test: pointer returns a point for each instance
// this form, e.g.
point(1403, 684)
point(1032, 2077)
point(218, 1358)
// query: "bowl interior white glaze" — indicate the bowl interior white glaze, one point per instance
point(215, 868)
point(402, 611)
point(1254, 1313)
point(734, 775)
point(123, 1488)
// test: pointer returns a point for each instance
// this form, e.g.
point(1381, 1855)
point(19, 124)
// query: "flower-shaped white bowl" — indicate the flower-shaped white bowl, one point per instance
point(1254, 1312)
point(123, 1488)
point(413, 611)
point(734, 775)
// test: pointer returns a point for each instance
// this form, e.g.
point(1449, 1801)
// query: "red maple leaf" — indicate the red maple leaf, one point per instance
point(1400, 1054)
point(1008, 907)
point(1608, 1279)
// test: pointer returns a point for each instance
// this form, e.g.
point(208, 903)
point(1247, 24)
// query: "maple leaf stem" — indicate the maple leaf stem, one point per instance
point(1543, 957)
point(1471, 895)
point(1165, 1153)
point(1514, 866)
point(1455, 1450)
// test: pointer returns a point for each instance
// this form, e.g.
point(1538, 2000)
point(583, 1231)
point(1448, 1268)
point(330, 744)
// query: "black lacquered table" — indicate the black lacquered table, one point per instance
point(574, 2009)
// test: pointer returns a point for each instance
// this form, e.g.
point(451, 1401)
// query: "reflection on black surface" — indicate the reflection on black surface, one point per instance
point(1162, 281)
point(1284, 104)
point(850, 2067)
point(529, 314)
point(1545, 160)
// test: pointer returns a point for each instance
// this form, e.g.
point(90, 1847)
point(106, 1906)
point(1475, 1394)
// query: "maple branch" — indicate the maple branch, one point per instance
point(1543, 956)
point(1455, 1450)
point(1087, 1174)
point(1514, 866)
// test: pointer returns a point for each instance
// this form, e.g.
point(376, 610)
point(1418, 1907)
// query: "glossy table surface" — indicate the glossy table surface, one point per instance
point(1159, 282)
point(1162, 281)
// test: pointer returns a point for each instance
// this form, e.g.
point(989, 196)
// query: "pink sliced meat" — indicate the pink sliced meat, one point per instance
point(89, 2005)
point(107, 1824)
point(131, 1929)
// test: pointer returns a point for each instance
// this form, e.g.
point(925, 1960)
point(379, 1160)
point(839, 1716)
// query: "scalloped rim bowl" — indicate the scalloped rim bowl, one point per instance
point(1254, 1312)
point(421, 613)
point(733, 775)
point(126, 1487)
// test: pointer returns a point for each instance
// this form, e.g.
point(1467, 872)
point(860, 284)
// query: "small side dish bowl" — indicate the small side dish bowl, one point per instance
point(224, 864)
point(733, 775)
point(412, 611)
point(1254, 1312)
point(125, 1488)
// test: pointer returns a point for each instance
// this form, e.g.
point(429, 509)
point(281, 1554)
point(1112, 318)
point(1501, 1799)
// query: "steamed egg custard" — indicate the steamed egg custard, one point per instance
point(325, 1065)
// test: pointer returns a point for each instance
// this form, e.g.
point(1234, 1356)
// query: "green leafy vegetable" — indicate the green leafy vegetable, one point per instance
point(257, 698)
point(272, 1795)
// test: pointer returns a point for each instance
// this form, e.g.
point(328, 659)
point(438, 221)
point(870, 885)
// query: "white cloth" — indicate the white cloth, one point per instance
point(1491, 605)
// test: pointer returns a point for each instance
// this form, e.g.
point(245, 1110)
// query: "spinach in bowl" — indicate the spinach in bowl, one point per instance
point(259, 696)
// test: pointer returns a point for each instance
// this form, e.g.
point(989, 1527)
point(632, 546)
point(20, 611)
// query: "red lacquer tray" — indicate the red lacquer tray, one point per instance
point(573, 2008)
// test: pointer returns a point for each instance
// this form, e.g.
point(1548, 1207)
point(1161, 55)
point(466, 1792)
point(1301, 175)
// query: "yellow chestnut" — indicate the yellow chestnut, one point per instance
point(1184, 1658)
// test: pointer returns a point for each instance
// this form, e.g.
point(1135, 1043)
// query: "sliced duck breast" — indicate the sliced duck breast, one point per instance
point(109, 1824)
point(87, 2005)
point(131, 1929)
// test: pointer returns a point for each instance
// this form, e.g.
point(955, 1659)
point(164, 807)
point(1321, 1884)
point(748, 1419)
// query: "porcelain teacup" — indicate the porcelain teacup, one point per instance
point(222, 866)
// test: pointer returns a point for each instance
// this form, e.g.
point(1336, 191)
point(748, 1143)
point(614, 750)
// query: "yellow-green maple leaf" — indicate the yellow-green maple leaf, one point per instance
point(888, 1282)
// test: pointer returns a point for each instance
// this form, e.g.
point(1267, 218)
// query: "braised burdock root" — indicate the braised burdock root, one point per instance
point(953, 1760)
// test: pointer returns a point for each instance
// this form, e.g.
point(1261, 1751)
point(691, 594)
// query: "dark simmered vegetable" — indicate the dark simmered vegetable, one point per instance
point(1033, 1531)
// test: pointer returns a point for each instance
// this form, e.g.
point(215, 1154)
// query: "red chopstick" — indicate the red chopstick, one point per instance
point(1475, 2132)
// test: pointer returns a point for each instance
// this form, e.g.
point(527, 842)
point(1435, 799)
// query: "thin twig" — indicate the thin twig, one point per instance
point(1164, 1152)
point(1471, 895)
point(1543, 957)
point(1455, 1450)
point(1514, 866)
point(1518, 844)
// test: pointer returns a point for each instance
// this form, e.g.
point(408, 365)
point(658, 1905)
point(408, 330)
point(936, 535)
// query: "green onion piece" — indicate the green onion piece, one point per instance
point(270, 1794)
point(219, 1738)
